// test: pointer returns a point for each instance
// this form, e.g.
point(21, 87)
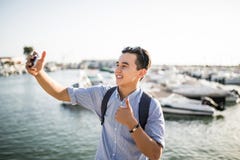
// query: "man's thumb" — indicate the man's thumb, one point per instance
point(43, 55)
point(127, 103)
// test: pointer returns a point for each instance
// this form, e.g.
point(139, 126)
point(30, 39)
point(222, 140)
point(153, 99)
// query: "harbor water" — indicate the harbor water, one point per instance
point(35, 126)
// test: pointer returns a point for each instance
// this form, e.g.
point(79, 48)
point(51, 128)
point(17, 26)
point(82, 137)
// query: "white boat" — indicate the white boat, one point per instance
point(83, 81)
point(93, 77)
point(98, 77)
point(177, 104)
point(204, 88)
point(226, 78)
point(233, 80)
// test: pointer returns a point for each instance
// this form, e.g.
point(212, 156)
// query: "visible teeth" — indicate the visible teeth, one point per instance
point(119, 76)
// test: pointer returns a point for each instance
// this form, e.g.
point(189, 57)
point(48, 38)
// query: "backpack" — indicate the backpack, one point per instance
point(144, 105)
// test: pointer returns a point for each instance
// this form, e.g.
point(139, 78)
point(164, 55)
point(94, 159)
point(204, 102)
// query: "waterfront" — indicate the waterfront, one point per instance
point(33, 126)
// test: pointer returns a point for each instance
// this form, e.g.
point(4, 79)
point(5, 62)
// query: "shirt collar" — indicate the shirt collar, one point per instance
point(135, 95)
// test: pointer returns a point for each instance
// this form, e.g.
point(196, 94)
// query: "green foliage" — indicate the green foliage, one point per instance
point(27, 50)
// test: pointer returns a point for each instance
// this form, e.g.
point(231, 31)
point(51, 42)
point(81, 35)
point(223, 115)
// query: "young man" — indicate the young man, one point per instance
point(122, 137)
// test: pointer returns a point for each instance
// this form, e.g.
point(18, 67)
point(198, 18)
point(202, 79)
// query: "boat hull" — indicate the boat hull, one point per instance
point(183, 111)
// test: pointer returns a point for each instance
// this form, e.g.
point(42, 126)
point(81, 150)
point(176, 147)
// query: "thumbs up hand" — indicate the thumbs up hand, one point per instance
point(124, 115)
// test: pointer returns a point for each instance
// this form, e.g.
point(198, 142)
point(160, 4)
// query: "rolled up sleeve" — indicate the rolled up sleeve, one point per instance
point(155, 126)
point(89, 98)
point(73, 99)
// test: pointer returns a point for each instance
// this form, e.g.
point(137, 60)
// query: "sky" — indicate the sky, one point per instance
point(181, 32)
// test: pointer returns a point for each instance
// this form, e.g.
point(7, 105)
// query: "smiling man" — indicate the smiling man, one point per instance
point(122, 135)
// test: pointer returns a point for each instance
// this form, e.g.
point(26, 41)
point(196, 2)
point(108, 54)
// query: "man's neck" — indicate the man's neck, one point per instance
point(125, 91)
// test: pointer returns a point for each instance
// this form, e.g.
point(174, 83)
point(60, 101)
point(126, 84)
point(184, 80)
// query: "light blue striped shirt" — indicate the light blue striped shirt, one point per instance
point(116, 142)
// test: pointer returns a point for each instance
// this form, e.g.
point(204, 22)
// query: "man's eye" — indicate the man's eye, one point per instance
point(124, 66)
point(121, 66)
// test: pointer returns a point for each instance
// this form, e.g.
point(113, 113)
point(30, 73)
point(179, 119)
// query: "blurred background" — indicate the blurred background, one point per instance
point(195, 74)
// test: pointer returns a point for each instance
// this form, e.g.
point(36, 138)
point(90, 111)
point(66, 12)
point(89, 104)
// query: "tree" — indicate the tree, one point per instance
point(27, 50)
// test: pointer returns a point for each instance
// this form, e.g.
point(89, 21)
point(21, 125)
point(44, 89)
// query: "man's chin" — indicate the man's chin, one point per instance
point(118, 83)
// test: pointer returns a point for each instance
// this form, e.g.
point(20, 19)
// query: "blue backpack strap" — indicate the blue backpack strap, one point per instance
point(144, 106)
point(105, 101)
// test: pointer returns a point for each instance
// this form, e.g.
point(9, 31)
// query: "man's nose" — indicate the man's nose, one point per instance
point(118, 69)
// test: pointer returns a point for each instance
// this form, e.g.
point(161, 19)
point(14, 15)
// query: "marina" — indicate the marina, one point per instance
point(33, 125)
point(193, 49)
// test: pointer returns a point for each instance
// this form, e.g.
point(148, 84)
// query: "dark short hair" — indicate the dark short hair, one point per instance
point(143, 59)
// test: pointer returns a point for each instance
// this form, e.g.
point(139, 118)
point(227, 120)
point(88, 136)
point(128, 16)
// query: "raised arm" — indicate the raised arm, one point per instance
point(46, 82)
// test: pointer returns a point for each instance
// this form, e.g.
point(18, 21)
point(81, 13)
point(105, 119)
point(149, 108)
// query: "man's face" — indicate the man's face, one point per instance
point(126, 70)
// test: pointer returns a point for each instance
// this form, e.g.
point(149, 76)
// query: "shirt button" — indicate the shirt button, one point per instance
point(115, 129)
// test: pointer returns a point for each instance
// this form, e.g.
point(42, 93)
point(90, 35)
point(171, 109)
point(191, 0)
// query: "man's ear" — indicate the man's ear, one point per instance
point(142, 73)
